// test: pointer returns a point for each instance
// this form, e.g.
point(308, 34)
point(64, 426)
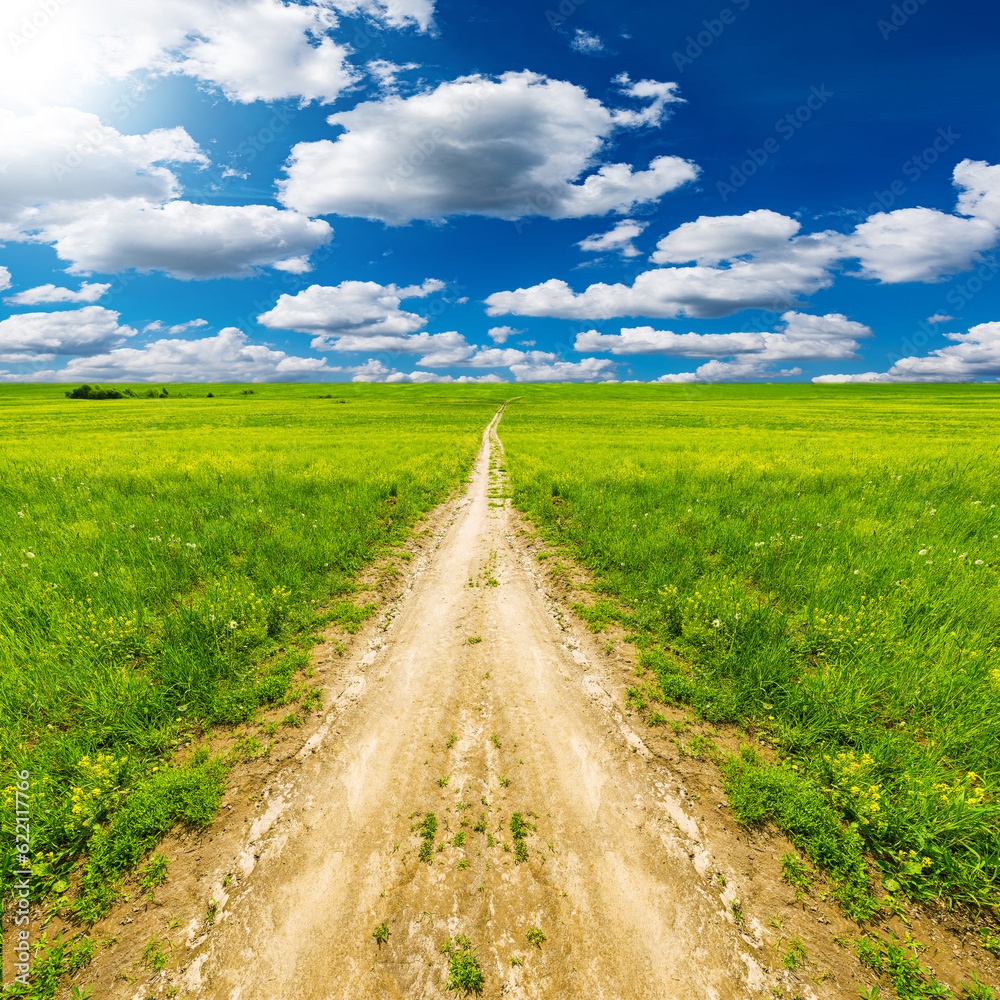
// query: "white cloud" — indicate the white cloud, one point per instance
point(499, 334)
point(4, 279)
point(106, 201)
point(249, 49)
point(226, 357)
point(973, 355)
point(731, 371)
point(89, 291)
point(659, 95)
point(160, 328)
point(467, 356)
point(357, 310)
point(980, 183)
point(56, 159)
point(449, 344)
point(939, 318)
point(395, 13)
point(918, 244)
point(183, 239)
point(385, 73)
point(376, 371)
point(266, 50)
point(863, 377)
point(799, 336)
point(760, 261)
point(20, 359)
point(86, 331)
point(618, 239)
point(646, 340)
point(586, 42)
point(768, 280)
point(433, 377)
point(505, 148)
point(588, 369)
point(711, 239)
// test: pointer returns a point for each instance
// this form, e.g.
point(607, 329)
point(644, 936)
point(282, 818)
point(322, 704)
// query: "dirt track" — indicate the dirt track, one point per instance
point(617, 876)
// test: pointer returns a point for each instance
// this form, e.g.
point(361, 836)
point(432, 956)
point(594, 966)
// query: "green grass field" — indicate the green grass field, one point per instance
point(815, 564)
point(819, 565)
point(155, 557)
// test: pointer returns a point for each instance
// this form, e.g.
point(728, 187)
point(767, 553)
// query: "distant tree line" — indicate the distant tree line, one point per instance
point(109, 392)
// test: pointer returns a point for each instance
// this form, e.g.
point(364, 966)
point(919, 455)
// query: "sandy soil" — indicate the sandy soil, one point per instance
point(479, 697)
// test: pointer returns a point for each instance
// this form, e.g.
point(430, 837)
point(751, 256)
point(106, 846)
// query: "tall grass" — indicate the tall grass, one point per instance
point(154, 556)
point(820, 565)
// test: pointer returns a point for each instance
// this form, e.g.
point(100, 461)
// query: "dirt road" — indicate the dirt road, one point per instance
point(477, 706)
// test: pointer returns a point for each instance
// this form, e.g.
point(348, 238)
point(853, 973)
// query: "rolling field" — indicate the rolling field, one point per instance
point(811, 569)
point(155, 557)
point(818, 565)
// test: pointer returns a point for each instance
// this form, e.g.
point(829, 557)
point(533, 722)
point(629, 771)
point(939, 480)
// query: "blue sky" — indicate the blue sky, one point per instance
point(426, 190)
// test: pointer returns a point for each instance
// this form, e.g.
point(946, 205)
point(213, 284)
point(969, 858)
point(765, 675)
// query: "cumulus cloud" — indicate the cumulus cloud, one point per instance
point(499, 334)
point(711, 239)
point(918, 244)
point(108, 203)
point(89, 291)
point(248, 49)
point(84, 332)
point(448, 344)
point(588, 370)
point(770, 279)
point(799, 335)
point(939, 318)
point(973, 355)
point(730, 371)
point(376, 371)
point(268, 50)
point(658, 95)
point(184, 239)
point(466, 356)
point(618, 239)
point(4, 279)
point(56, 159)
point(760, 260)
point(352, 309)
point(507, 148)
point(980, 183)
point(226, 357)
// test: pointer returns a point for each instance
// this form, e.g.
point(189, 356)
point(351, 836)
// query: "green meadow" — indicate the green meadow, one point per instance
point(817, 564)
point(156, 558)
